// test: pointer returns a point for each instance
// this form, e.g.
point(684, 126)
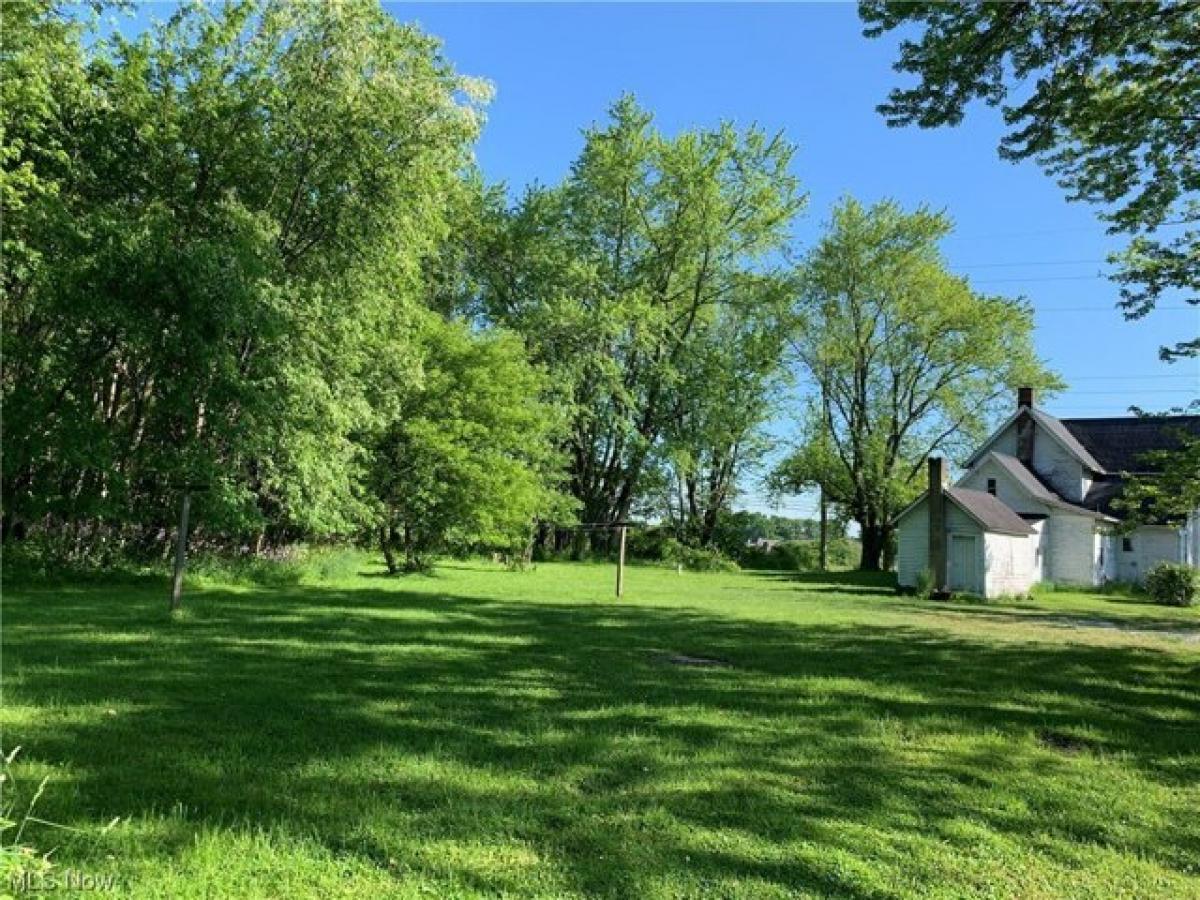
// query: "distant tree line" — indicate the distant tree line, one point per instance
point(248, 259)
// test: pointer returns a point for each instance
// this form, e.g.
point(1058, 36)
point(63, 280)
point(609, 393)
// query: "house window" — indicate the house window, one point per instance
point(991, 484)
point(1127, 545)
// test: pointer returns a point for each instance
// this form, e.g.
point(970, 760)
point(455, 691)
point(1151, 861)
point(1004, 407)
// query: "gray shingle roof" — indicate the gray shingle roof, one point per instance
point(1024, 477)
point(989, 512)
point(1118, 443)
point(1038, 489)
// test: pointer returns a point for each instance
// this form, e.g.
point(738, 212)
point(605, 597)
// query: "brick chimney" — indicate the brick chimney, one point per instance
point(1025, 427)
point(937, 522)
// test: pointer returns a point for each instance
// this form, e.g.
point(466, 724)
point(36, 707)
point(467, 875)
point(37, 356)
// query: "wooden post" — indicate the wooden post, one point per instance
point(823, 538)
point(621, 565)
point(180, 553)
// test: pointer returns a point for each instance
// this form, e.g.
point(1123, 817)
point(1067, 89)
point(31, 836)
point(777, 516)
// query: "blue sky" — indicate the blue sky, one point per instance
point(807, 69)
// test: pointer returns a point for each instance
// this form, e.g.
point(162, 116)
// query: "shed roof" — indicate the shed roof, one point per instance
point(992, 514)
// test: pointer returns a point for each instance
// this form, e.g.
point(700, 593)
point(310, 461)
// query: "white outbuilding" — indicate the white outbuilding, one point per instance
point(1036, 504)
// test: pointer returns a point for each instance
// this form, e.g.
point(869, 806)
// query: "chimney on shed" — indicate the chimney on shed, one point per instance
point(937, 522)
point(1025, 426)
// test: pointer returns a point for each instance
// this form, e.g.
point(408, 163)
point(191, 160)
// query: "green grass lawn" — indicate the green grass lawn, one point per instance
point(480, 732)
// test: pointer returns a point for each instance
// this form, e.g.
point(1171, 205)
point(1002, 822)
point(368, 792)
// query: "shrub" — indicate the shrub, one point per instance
point(650, 544)
point(924, 586)
point(703, 559)
point(283, 568)
point(1173, 584)
point(334, 563)
point(800, 556)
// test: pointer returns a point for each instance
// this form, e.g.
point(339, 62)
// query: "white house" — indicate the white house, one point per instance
point(1035, 504)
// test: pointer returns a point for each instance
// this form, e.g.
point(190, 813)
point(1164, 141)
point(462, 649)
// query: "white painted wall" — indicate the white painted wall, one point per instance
point(912, 539)
point(912, 545)
point(1150, 544)
point(1191, 539)
point(1105, 554)
point(1011, 565)
point(1006, 441)
point(1052, 461)
point(1008, 490)
point(1070, 550)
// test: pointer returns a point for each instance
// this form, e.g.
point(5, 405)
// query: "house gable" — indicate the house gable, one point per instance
point(1011, 490)
point(1004, 439)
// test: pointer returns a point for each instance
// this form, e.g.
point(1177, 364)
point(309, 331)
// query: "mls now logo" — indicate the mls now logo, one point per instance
point(68, 879)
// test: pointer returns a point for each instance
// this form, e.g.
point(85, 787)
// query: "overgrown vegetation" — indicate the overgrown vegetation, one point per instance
point(249, 265)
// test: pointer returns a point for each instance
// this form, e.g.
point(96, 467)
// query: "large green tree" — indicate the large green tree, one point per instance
point(618, 277)
point(730, 383)
point(218, 231)
point(1103, 95)
point(471, 459)
point(905, 360)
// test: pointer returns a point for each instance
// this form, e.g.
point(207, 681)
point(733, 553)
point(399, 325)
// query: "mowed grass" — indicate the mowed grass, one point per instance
point(484, 733)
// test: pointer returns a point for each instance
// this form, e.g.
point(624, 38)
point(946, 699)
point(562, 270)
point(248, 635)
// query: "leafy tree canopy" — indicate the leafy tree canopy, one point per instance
point(905, 358)
point(1103, 95)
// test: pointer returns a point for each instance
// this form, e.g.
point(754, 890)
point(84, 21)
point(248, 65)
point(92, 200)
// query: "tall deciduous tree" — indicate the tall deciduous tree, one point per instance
point(907, 360)
point(616, 277)
point(1103, 95)
point(729, 384)
point(238, 205)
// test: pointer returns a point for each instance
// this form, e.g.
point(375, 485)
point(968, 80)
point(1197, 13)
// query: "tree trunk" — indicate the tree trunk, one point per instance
point(888, 538)
point(873, 538)
point(389, 552)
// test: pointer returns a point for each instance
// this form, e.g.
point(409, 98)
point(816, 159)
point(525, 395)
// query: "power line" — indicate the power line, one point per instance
point(1065, 230)
point(1097, 277)
point(1138, 390)
point(1048, 262)
point(1040, 309)
point(1125, 377)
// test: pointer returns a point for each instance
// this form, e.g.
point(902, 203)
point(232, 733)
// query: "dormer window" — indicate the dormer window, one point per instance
point(991, 486)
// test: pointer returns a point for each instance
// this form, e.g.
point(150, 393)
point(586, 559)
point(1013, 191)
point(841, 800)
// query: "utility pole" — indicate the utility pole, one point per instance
point(823, 537)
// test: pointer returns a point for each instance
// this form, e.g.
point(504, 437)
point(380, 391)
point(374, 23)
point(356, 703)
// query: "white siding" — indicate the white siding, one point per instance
point(1052, 461)
point(1006, 441)
point(912, 545)
point(1149, 545)
point(1108, 549)
point(1190, 537)
point(1008, 490)
point(912, 539)
point(1010, 564)
point(1069, 549)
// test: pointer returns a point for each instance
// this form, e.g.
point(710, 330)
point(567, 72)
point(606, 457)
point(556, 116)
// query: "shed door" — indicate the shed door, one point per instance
point(964, 571)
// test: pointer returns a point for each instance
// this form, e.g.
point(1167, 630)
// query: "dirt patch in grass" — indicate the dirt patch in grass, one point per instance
point(1068, 744)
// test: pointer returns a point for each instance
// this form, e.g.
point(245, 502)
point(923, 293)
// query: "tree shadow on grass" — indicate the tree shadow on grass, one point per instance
point(875, 583)
point(360, 715)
